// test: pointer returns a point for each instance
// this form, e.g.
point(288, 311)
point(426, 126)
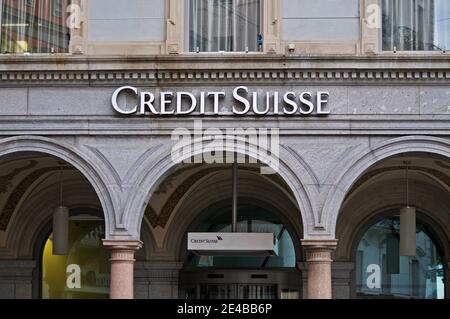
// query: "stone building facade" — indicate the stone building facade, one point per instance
point(339, 175)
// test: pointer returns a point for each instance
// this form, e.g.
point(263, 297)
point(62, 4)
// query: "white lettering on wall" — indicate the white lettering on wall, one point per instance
point(246, 102)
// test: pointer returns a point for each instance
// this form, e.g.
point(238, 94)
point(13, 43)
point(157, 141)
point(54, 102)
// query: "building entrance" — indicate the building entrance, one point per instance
point(241, 284)
point(242, 276)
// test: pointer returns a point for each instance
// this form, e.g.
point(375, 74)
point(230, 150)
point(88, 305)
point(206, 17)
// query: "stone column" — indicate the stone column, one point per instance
point(318, 264)
point(122, 267)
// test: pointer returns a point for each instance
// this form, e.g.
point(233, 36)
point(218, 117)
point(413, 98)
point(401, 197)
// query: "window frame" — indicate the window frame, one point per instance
point(402, 52)
point(1, 18)
point(82, 3)
point(186, 38)
point(176, 17)
point(57, 13)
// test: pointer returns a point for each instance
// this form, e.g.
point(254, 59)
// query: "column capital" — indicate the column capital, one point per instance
point(319, 243)
point(318, 262)
point(122, 244)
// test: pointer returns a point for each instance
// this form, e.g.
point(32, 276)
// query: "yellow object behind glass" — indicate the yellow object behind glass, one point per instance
point(84, 272)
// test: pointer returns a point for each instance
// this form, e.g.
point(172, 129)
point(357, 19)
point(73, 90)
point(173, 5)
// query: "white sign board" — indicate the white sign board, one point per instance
point(232, 244)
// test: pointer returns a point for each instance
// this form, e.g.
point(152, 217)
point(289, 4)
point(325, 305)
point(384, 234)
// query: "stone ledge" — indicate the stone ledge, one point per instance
point(63, 70)
point(154, 78)
point(342, 125)
point(16, 269)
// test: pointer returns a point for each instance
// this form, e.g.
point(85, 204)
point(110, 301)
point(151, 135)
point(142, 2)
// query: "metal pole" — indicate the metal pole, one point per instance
point(234, 209)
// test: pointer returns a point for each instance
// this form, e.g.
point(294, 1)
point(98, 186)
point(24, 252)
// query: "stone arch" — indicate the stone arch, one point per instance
point(351, 228)
point(151, 169)
point(149, 243)
point(95, 173)
point(23, 236)
point(354, 167)
point(347, 248)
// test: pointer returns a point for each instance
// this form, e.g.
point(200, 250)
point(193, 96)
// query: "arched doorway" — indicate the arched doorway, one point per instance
point(368, 230)
point(83, 273)
point(381, 272)
point(242, 277)
point(199, 198)
point(35, 184)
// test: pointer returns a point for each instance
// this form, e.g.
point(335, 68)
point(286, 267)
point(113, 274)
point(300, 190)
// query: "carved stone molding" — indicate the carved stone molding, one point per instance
point(163, 217)
point(174, 26)
point(180, 77)
point(19, 192)
point(122, 251)
point(188, 69)
point(370, 13)
point(6, 180)
point(319, 251)
point(439, 175)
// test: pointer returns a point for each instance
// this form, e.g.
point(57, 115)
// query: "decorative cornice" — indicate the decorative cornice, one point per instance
point(210, 69)
point(231, 77)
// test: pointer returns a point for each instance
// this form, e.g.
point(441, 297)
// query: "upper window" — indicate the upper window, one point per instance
point(225, 25)
point(416, 25)
point(37, 26)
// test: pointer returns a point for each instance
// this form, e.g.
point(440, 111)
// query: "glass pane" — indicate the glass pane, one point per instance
point(414, 25)
point(382, 272)
point(224, 25)
point(84, 272)
point(257, 291)
point(287, 293)
point(225, 291)
point(37, 26)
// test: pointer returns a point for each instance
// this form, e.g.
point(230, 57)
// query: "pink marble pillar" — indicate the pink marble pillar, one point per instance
point(318, 263)
point(122, 267)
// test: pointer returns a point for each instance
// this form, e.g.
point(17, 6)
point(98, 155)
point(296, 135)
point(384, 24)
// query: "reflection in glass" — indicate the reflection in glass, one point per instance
point(382, 272)
point(224, 25)
point(84, 272)
point(38, 26)
point(416, 25)
point(250, 219)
